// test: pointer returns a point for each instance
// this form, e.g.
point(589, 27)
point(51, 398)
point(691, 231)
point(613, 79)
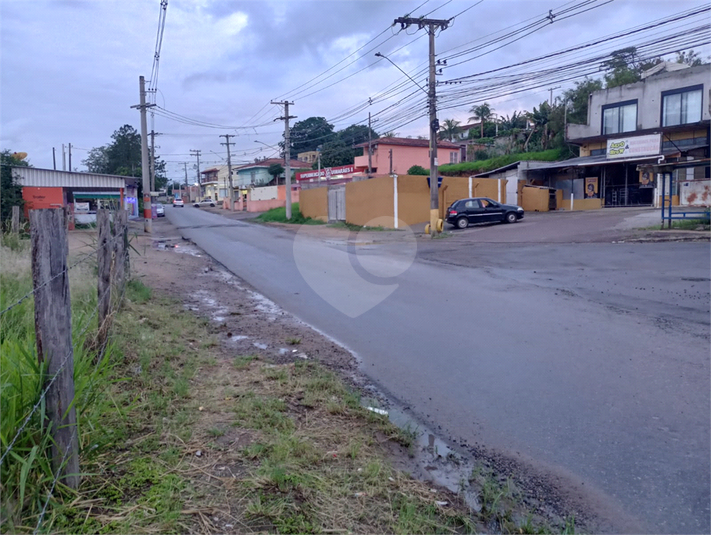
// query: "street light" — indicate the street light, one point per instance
point(379, 55)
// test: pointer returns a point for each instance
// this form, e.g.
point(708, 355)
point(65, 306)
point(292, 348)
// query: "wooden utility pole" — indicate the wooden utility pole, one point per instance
point(431, 25)
point(142, 107)
point(53, 332)
point(15, 224)
point(229, 167)
point(103, 260)
point(287, 152)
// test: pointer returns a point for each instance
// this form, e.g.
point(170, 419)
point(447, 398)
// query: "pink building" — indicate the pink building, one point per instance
point(398, 154)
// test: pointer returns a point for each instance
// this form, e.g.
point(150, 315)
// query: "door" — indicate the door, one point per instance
point(337, 203)
point(475, 213)
point(492, 210)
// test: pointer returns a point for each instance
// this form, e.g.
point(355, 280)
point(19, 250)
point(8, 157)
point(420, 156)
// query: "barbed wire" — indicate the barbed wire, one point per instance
point(83, 259)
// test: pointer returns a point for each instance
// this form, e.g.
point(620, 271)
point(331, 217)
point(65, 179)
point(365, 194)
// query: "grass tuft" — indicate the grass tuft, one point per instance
point(278, 215)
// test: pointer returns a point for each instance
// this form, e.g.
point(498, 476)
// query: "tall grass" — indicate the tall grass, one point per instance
point(26, 472)
point(278, 215)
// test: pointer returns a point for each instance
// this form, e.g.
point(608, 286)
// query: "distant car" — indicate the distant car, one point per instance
point(204, 202)
point(464, 212)
point(178, 202)
point(160, 210)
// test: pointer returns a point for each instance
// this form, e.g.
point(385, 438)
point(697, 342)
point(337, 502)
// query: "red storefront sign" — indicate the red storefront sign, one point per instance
point(326, 172)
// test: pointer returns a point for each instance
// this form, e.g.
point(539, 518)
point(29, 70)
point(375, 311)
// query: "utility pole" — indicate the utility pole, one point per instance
point(196, 153)
point(287, 152)
point(64, 158)
point(70, 157)
point(54, 159)
point(391, 161)
point(185, 165)
point(550, 100)
point(142, 107)
point(229, 166)
point(431, 25)
point(153, 159)
point(370, 149)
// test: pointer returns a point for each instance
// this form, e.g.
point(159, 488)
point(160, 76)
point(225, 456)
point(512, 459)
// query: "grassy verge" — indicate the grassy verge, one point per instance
point(692, 224)
point(482, 166)
point(278, 215)
point(358, 228)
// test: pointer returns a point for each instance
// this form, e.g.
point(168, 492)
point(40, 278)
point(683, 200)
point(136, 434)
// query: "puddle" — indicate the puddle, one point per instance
point(433, 460)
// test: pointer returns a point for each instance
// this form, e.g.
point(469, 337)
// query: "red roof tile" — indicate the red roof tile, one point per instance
point(410, 142)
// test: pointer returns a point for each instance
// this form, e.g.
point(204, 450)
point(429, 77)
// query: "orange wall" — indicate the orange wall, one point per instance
point(413, 199)
point(368, 199)
point(281, 193)
point(403, 158)
point(36, 198)
point(535, 199)
point(314, 203)
point(580, 204)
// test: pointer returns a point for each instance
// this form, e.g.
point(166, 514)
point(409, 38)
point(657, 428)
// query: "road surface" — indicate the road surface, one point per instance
point(589, 361)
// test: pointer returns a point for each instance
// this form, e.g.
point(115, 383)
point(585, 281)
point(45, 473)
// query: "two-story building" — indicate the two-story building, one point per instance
point(635, 136)
point(398, 154)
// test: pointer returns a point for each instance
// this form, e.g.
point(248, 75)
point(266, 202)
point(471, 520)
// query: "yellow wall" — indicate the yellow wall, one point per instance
point(580, 204)
point(368, 199)
point(413, 199)
point(534, 199)
point(313, 203)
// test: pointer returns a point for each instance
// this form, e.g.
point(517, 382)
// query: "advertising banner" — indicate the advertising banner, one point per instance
point(634, 146)
point(591, 187)
point(326, 172)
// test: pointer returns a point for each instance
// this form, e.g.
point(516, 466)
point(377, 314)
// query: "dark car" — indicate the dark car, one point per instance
point(464, 212)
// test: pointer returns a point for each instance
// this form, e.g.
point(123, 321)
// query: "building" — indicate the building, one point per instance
point(82, 193)
point(309, 157)
point(398, 154)
point(257, 174)
point(215, 182)
point(638, 135)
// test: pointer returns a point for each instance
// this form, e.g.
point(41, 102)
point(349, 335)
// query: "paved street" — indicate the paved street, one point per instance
point(589, 361)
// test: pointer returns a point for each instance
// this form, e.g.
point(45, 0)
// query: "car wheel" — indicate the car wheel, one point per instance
point(511, 217)
point(212, 205)
point(462, 222)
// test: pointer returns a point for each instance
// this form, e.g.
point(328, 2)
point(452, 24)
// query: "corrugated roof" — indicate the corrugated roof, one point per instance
point(49, 178)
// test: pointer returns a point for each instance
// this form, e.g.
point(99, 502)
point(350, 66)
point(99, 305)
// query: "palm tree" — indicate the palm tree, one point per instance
point(481, 113)
point(449, 129)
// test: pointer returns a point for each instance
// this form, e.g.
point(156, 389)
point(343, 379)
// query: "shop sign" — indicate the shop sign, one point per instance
point(326, 172)
point(633, 146)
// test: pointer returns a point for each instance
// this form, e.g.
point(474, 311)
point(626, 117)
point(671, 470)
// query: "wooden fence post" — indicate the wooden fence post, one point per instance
point(15, 225)
point(53, 328)
point(119, 275)
point(103, 256)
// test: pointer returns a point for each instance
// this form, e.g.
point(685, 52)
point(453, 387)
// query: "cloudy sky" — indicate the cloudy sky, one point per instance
point(70, 68)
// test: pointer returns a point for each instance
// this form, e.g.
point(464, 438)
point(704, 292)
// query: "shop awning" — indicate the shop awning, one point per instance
point(97, 194)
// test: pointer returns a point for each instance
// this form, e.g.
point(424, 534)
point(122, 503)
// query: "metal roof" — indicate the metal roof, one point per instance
point(49, 178)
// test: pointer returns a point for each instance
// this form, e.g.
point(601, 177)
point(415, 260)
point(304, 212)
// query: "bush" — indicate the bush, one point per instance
point(490, 164)
point(418, 170)
point(278, 215)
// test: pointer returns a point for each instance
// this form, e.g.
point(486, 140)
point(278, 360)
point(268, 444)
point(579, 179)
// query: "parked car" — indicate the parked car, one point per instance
point(204, 202)
point(464, 212)
point(178, 202)
point(160, 210)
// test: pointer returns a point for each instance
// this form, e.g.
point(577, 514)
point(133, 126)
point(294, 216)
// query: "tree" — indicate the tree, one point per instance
point(340, 150)
point(449, 129)
point(275, 169)
point(123, 157)
point(691, 58)
point(390, 133)
point(626, 67)
point(577, 100)
point(308, 134)
point(10, 190)
point(481, 113)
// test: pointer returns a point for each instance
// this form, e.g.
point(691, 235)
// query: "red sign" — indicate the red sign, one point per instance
point(326, 172)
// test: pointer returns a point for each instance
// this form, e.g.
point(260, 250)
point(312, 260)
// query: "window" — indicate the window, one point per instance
point(472, 205)
point(452, 157)
point(681, 106)
point(618, 118)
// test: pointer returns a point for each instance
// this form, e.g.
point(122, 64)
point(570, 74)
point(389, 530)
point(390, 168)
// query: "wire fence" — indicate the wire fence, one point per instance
point(50, 287)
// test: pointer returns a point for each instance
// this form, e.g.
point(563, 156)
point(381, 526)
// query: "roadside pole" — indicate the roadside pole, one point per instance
point(229, 168)
point(287, 152)
point(147, 212)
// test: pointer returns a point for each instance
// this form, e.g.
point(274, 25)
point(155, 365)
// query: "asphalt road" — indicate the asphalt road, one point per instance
point(588, 361)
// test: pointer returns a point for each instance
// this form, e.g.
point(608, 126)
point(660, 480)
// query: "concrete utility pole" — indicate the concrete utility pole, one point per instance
point(550, 100)
point(142, 107)
point(185, 165)
point(64, 158)
point(196, 153)
point(370, 149)
point(287, 152)
point(431, 25)
point(70, 157)
point(54, 158)
point(229, 167)
point(153, 159)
